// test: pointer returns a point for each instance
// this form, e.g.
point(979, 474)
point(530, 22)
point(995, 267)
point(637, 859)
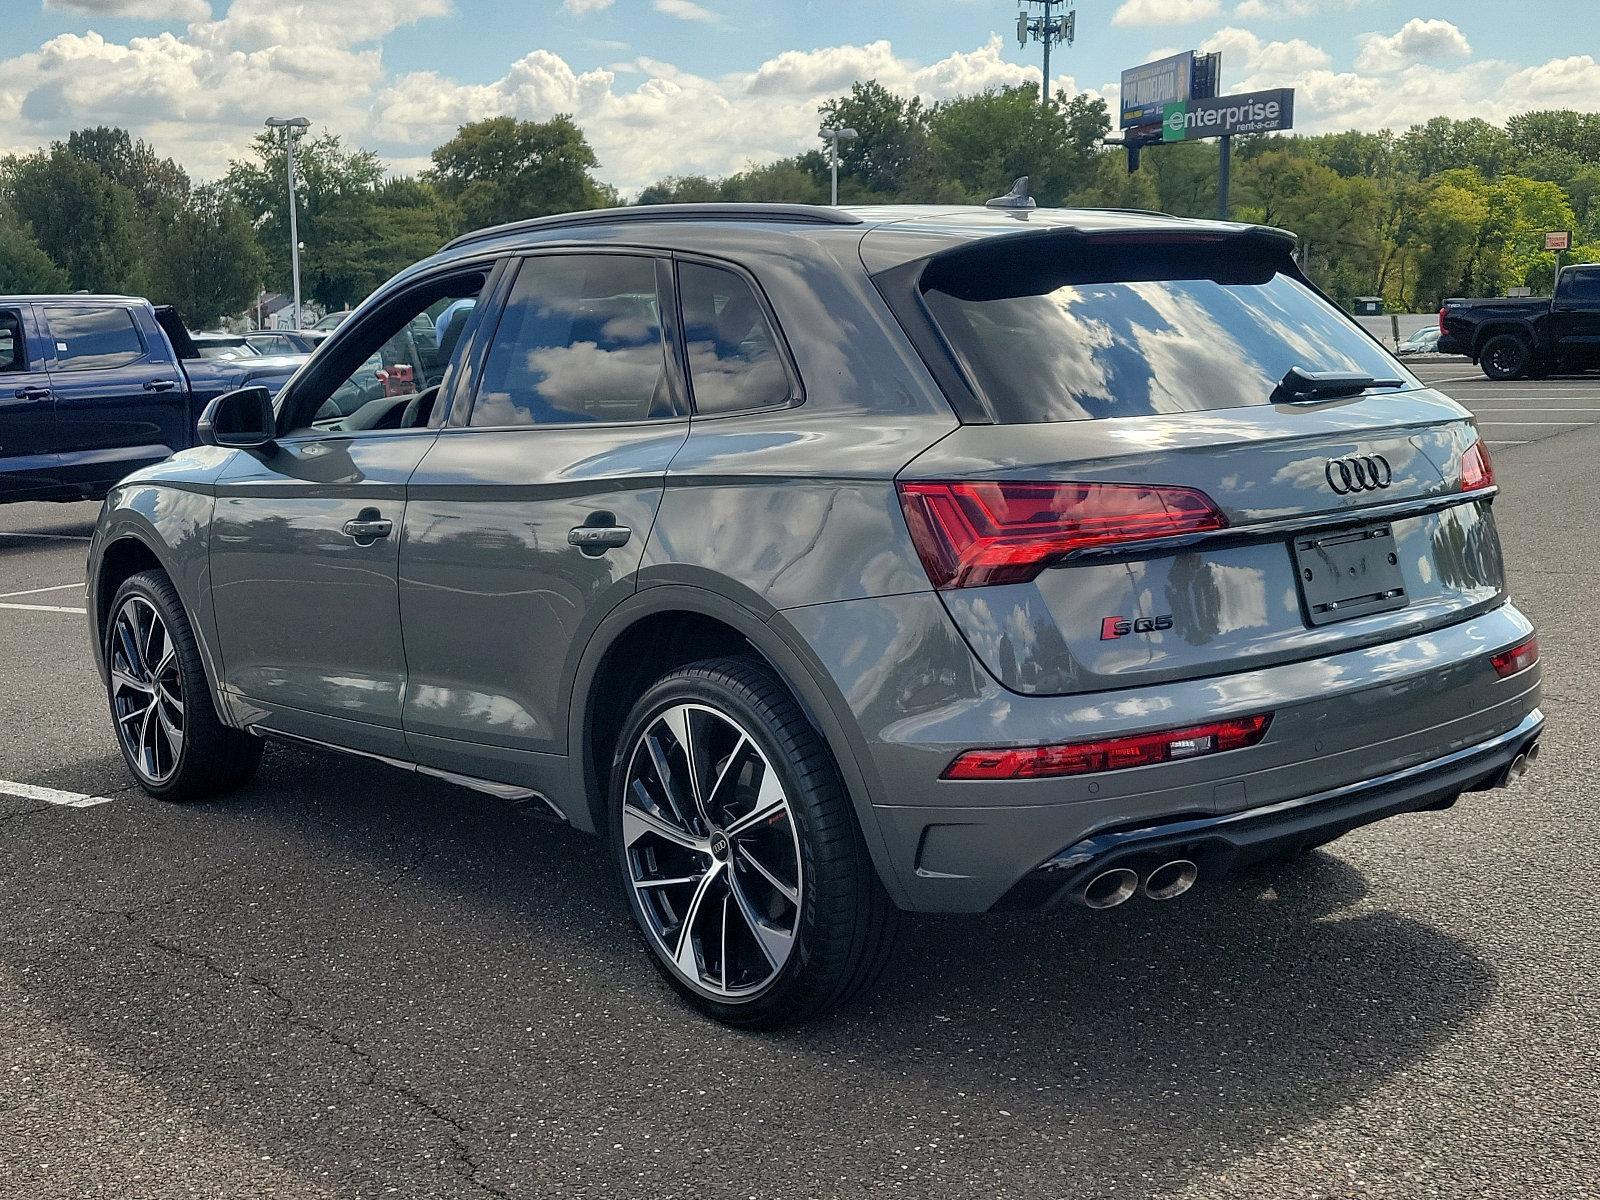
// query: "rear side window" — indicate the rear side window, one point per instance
point(12, 357)
point(92, 339)
point(580, 341)
point(734, 362)
point(1075, 332)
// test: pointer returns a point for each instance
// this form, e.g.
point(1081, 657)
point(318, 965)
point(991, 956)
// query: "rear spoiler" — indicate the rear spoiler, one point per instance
point(172, 325)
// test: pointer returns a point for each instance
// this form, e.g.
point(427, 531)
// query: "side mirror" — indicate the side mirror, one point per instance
point(242, 419)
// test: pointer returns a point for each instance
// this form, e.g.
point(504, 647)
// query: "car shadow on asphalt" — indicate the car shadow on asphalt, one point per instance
point(450, 942)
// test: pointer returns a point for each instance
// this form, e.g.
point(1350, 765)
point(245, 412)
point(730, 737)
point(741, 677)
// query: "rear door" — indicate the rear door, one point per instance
point(27, 413)
point(527, 520)
point(119, 396)
point(1147, 502)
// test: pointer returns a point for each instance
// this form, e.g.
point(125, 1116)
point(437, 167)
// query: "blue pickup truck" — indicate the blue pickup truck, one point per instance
point(93, 387)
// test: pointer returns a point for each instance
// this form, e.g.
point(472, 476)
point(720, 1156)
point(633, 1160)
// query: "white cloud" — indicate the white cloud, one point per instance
point(1279, 10)
point(580, 7)
point(684, 10)
point(1242, 49)
point(1165, 12)
point(144, 10)
point(1417, 41)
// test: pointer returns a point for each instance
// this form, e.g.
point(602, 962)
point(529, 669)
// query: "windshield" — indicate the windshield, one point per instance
point(1076, 332)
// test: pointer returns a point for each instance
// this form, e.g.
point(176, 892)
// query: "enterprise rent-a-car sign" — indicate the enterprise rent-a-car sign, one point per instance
point(1224, 116)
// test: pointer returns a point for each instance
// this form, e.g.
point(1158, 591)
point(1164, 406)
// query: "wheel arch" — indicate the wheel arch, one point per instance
point(663, 627)
point(1494, 329)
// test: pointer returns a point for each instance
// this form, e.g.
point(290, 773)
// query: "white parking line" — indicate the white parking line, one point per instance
point(55, 608)
point(1494, 442)
point(59, 587)
point(1541, 408)
point(27, 791)
point(1559, 424)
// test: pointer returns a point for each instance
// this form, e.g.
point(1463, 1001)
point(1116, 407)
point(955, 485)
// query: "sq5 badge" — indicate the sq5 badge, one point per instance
point(1112, 628)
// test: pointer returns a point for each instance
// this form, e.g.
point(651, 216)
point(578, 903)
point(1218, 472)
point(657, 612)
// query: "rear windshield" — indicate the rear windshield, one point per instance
point(1075, 332)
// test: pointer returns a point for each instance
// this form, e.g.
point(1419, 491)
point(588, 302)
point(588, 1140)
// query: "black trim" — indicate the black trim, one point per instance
point(1220, 844)
point(788, 214)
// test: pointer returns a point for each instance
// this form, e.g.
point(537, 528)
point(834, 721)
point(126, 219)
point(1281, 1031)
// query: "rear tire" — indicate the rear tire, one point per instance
point(1506, 356)
point(161, 707)
point(739, 850)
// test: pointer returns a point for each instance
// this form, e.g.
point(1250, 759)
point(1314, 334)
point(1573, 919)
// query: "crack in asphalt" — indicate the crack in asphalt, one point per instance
point(468, 1167)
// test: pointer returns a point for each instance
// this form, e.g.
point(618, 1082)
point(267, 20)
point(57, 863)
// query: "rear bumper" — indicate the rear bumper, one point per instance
point(1219, 844)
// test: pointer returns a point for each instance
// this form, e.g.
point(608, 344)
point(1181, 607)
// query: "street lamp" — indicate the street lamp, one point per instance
point(292, 128)
point(835, 135)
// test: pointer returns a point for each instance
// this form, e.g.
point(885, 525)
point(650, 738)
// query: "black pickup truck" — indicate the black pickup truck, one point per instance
point(1518, 338)
point(93, 387)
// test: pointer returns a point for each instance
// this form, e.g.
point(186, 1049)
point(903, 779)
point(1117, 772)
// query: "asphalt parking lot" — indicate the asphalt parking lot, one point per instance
point(345, 982)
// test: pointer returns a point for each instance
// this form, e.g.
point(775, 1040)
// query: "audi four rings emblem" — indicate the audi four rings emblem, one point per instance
point(1362, 473)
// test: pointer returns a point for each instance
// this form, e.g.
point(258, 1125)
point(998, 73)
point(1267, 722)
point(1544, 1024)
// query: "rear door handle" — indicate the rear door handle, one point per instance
point(367, 527)
point(597, 539)
point(161, 385)
point(33, 393)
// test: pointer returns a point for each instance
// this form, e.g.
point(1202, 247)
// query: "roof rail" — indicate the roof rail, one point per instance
point(795, 214)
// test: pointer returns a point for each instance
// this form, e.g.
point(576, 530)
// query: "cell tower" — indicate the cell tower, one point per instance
point(1048, 28)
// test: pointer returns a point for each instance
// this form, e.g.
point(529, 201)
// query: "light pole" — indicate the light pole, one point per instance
point(1048, 29)
point(292, 128)
point(835, 135)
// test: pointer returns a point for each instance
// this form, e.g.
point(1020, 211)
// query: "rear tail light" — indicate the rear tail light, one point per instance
point(1519, 658)
point(1114, 754)
point(1477, 472)
point(1441, 322)
point(971, 534)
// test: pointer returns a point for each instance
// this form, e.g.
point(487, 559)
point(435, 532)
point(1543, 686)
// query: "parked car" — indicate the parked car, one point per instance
point(1423, 341)
point(830, 563)
point(1517, 338)
point(92, 387)
point(284, 341)
point(331, 322)
point(223, 345)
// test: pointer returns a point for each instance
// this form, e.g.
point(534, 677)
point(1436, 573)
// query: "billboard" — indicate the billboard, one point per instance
point(1147, 90)
point(1224, 116)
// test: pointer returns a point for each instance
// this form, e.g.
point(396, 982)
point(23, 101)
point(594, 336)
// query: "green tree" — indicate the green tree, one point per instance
point(681, 189)
point(503, 169)
point(984, 141)
point(158, 184)
point(24, 267)
point(208, 265)
point(890, 152)
point(86, 223)
point(1445, 144)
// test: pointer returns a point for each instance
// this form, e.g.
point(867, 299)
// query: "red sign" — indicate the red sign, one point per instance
point(1558, 241)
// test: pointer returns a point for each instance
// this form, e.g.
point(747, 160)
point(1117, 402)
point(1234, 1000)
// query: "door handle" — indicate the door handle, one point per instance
point(33, 393)
point(597, 539)
point(161, 385)
point(367, 527)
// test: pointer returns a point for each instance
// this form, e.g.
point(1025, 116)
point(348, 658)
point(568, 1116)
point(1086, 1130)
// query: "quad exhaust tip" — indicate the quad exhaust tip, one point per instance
point(1171, 879)
point(1110, 888)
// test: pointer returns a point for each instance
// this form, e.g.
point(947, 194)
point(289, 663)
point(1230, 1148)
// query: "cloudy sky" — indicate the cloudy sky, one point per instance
point(678, 86)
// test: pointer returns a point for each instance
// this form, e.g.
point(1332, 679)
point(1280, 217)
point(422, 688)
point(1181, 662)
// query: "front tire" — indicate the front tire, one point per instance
point(167, 728)
point(739, 851)
point(1506, 356)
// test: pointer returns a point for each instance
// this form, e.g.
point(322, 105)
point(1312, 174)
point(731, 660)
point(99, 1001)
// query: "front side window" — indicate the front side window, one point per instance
point(1580, 285)
point(12, 357)
point(389, 376)
point(734, 363)
point(93, 339)
point(580, 341)
point(1081, 332)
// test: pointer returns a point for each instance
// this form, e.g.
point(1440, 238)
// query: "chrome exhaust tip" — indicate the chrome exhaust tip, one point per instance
point(1110, 888)
point(1171, 879)
point(1532, 754)
point(1517, 769)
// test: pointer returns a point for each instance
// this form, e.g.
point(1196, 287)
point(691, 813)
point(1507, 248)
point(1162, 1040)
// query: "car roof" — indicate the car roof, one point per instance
point(72, 298)
point(889, 234)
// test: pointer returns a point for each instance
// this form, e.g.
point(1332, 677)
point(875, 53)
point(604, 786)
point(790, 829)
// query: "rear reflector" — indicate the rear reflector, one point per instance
point(1519, 658)
point(971, 534)
point(1115, 754)
point(1477, 471)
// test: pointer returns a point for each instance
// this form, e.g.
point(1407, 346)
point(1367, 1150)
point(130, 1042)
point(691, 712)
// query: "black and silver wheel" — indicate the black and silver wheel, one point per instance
point(161, 705)
point(1506, 356)
point(744, 867)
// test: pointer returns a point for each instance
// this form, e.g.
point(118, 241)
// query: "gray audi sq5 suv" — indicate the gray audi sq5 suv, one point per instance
point(830, 563)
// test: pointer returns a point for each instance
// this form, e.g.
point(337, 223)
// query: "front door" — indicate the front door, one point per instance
point(305, 539)
point(527, 520)
point(27, 413)
point(1576, 313)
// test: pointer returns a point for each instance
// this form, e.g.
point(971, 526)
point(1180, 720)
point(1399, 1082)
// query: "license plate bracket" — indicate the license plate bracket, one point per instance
point(1348, 573)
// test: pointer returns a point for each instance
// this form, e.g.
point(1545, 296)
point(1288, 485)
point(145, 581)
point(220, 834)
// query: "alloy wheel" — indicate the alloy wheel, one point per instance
point(146, 690)
point(713, 854)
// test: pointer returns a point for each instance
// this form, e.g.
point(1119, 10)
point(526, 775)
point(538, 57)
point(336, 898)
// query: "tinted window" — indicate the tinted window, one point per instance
point(1580, 285)
point(733, 354)
point(1067, 336)
point(12, 357)
point(90, 339)
point(580, 341)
